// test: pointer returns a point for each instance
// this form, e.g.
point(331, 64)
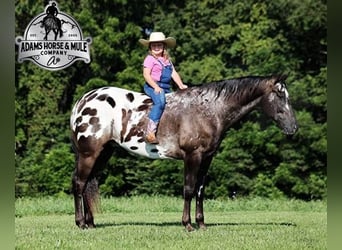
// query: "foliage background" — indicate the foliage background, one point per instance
point(216, 39)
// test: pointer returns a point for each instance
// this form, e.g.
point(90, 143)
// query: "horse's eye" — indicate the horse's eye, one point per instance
point(280, 93)
point(280, 111)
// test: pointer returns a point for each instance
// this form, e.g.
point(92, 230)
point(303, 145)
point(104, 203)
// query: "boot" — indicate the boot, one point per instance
point(150, 136)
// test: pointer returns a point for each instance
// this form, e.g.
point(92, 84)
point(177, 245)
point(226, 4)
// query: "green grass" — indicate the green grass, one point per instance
point(154, 223)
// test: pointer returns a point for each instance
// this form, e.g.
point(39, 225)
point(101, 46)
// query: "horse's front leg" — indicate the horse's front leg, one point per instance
point(199, 203)
point(191, 166)
point(201, 181)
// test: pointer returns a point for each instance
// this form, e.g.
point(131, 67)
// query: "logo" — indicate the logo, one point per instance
point(53, 40)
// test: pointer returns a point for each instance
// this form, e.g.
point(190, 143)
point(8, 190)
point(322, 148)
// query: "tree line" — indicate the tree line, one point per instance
point(216, 39)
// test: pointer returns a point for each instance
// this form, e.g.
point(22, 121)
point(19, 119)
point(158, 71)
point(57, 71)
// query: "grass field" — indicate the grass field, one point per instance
point(154, 223)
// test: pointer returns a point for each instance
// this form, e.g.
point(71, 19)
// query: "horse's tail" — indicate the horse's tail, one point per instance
point(91, 193)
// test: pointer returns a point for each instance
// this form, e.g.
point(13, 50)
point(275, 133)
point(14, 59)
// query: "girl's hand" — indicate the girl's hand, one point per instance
point(183, 86)
point(157, 90)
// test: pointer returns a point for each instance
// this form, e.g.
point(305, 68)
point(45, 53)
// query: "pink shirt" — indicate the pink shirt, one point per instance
point(153, 64)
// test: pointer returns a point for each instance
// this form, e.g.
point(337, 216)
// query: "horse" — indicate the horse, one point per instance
point(49, 23)
point(194, 123)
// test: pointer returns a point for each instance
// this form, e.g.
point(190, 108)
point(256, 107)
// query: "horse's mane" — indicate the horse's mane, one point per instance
point(238, 88)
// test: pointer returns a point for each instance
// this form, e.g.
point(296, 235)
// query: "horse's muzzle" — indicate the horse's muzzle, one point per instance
point(291, 131)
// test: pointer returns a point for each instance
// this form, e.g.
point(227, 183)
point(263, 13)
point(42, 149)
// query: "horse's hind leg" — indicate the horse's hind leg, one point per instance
point(89, 200)
point(90, 194)
point(85, 185)
point(47, 31)
point(56, 34)
point(59, 27)
point(83, 169)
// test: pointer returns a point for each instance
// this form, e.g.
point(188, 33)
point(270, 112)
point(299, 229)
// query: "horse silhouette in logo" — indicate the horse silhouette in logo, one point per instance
point(52, 22)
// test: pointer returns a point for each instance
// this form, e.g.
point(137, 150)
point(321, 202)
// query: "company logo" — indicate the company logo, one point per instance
point(53, 40)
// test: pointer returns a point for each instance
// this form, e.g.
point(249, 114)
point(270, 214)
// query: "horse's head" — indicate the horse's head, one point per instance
point(277, 105)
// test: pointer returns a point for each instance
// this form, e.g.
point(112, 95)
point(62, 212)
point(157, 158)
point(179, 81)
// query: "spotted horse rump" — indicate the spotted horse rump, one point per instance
point(191, 129)
point(118, 115)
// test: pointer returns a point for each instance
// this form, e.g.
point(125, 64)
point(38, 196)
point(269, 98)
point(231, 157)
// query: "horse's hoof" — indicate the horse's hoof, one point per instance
point(189, 228)
point(202, 226)
point(83, 226)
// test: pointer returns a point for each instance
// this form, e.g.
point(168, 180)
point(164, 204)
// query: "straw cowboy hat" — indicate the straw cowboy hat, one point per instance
point(159, 37)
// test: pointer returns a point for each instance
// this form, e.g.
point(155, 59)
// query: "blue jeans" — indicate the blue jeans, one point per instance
point(159, 102)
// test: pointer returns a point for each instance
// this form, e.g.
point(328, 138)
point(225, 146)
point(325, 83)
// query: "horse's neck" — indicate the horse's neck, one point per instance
point(248, 107)
point(239, 108)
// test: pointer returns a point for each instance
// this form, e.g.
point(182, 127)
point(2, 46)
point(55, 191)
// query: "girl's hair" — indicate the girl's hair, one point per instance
point(165, 53)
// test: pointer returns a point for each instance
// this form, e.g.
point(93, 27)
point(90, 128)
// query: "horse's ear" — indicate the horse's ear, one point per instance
point(283, 77)
point(280, 78)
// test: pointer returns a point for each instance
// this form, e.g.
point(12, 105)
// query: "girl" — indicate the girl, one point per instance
point(158, 72)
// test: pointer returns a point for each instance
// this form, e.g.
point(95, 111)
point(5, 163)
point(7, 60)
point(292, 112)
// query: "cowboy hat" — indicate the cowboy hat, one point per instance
point(159, 37)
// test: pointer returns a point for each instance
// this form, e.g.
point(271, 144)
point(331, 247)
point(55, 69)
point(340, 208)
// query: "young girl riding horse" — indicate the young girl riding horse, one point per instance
point(158, 72)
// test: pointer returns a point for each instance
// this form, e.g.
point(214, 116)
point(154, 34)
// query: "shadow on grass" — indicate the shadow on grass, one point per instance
point(167, 224)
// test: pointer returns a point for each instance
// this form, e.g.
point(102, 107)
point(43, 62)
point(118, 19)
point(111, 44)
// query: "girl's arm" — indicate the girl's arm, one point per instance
point(177, 79)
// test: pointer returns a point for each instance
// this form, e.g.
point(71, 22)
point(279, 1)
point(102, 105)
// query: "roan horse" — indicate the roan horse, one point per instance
point(191, 129)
